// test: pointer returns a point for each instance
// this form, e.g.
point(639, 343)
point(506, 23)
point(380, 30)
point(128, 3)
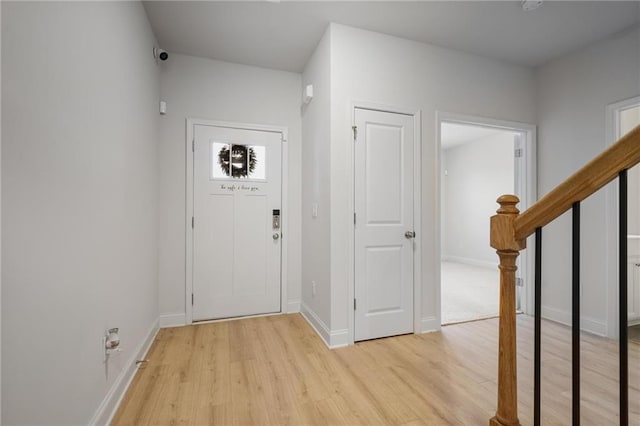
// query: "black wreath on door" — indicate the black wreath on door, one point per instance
point(240, 164)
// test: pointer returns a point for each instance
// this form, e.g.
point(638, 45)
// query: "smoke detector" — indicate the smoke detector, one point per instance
point(531, 4)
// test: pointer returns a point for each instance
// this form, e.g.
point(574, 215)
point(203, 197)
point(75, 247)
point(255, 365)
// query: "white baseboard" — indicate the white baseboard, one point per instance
point(332, 338)
point(634, 321)
point(177, 319)
point(339, 338)
point(429, 325)
point(589, 325)
point(293, 306)
point(113, 398)
point(316, 323)
point(472, 262)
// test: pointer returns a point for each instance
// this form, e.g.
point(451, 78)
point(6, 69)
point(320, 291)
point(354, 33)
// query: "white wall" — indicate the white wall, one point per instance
point(477, 173)
point(316, 130)
point(202, 88)
point(572, 94)
point(79, 199)
point(388, 70)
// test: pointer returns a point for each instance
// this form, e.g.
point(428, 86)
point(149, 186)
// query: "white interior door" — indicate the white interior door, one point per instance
point(237, 178)
point(384, 238)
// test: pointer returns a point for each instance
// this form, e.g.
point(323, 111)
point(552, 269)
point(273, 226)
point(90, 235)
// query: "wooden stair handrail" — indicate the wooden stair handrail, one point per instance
point(623, 155)
point(509, 231)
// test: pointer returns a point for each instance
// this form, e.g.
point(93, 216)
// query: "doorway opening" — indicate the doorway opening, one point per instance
point(622, 117)
point(480, 160)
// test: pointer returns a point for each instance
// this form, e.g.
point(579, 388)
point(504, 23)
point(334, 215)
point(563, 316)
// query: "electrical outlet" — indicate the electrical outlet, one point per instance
point(313, 289)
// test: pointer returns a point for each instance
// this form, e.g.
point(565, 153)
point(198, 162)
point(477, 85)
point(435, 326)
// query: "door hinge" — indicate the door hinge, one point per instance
point(191, 299)
point(355, 132)
point(519, 282)
point(193, 222)
point(354, 218)
point(518, 152)
point(193, 145)
point(354, 304)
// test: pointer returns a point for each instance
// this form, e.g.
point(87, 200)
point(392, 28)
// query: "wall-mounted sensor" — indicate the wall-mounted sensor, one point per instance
point(161, 54)
point(308, 93)
point(163, 107)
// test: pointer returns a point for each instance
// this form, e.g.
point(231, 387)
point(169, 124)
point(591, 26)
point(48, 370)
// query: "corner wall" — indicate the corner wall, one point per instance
point(79, 204)
point(316, 231)
point(372, 67)
point(220, 91)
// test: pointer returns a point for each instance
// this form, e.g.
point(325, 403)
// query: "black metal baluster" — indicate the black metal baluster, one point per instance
point(537, 300)
point(575, 321)
point(622, 309)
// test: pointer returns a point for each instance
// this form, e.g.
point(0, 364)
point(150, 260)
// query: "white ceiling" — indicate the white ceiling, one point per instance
point(454, 134)
point(283, 35)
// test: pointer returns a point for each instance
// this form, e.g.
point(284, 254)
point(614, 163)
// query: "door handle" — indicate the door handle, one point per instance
point(410, 234)
point(276, 236)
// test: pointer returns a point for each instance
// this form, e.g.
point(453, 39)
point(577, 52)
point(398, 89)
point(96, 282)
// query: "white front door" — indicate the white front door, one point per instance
point(237, 176)
point(384, 242)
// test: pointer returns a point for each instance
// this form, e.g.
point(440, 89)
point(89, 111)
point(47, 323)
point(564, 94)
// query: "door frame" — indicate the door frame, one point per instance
point(526, 176)
point(612, 128)
point(284, 215)
point(417, 203)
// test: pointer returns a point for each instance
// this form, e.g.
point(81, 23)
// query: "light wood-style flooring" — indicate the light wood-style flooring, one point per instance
point(276, 370)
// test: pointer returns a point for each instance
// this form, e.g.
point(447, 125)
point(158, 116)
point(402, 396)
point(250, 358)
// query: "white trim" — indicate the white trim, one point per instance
point(612, 129)
point(177, 319)
point(332, 338)
point(430, 325)
point(527, 178)
point(316, 323)
point(339, 338)
point(109, 405)
point(472, 262)
point(284, 223)
point(587, 324)
point(417, 212)
point(293, 306)
point(190, 124)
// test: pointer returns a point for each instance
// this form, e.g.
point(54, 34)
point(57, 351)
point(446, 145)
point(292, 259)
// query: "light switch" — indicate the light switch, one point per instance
point(314, 210)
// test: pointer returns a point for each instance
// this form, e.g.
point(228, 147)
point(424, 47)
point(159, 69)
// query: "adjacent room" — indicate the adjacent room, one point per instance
point(478, 165)
point(252, 212)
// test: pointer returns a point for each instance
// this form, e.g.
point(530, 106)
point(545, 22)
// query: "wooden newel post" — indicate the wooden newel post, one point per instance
point(508, 249)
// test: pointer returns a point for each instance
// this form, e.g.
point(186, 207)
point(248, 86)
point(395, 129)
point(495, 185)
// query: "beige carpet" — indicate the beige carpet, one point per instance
point(469, 292)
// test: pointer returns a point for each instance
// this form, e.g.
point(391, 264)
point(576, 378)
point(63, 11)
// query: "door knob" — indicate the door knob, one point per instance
point(410, 234)
point(276, 236)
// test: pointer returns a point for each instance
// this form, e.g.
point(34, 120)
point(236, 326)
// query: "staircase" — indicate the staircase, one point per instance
point(509, 231)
